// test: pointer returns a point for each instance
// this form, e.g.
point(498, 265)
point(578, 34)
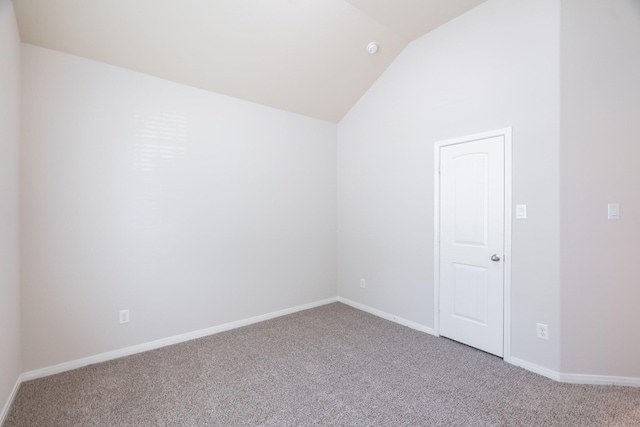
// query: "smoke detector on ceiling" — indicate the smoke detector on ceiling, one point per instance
point(372, 48)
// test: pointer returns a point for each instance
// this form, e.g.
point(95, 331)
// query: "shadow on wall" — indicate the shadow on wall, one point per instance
point(635, 7)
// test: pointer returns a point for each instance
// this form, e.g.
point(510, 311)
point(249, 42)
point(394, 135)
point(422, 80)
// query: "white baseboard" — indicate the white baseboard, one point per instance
point(600, 380)
point(12, 396)
point(537, 369)
point(387, 316)
point(575, 378)
point(128, 351)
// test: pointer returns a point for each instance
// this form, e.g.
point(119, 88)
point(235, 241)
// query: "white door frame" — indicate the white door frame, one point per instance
point(506, 134)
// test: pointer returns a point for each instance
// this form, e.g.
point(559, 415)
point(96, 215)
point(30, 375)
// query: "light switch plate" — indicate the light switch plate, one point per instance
point(521, 211)
point(613, 211)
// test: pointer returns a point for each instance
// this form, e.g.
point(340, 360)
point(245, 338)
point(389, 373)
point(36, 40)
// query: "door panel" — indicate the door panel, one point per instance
point(470, 293)
point(470, 221)
point(471, 231)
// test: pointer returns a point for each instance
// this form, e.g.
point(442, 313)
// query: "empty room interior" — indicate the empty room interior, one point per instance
point(455, 173)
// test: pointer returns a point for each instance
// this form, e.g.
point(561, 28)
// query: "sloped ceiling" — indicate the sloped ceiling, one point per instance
point(303, 56)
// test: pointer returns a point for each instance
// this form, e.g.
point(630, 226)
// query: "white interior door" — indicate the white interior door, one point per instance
point(472, 230)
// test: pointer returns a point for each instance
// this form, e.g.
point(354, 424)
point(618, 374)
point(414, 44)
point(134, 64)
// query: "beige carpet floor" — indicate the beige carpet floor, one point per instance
point(328, 366)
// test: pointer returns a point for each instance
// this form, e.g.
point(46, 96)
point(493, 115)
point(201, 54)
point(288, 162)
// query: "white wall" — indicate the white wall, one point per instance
point(494, 67)
point(191, 209)
point(9, 202)
point(600, 164)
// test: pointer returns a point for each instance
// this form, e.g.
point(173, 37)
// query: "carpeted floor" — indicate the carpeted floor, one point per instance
point(329, 366)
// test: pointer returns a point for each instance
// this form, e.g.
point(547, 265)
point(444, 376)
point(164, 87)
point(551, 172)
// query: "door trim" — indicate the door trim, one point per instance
point(506, 134)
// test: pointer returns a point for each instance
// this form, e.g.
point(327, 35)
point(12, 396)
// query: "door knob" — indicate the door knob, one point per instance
point(495, 258)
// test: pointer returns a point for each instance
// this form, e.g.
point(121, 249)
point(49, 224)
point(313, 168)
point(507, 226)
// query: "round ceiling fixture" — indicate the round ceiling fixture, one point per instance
point(372, 48)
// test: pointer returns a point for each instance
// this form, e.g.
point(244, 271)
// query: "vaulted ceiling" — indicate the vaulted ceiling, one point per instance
point(304, 56)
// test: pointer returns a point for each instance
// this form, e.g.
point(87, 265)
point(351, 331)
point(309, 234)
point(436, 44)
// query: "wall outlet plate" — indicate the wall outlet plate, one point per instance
point(363, 283)
point(542, 331)
point(124, 316)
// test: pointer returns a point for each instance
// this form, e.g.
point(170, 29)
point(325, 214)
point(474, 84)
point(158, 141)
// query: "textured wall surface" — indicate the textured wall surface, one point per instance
point(496, 66)
point(188, 208)
point(599, 165)
point(9, 201)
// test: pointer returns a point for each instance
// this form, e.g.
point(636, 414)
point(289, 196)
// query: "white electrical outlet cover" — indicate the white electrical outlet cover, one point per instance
point(124, 316)
point(542, 331)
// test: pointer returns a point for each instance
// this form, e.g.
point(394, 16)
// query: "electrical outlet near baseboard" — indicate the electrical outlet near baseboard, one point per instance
point(363, 283)
point(542, 331)
point(124, 316)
